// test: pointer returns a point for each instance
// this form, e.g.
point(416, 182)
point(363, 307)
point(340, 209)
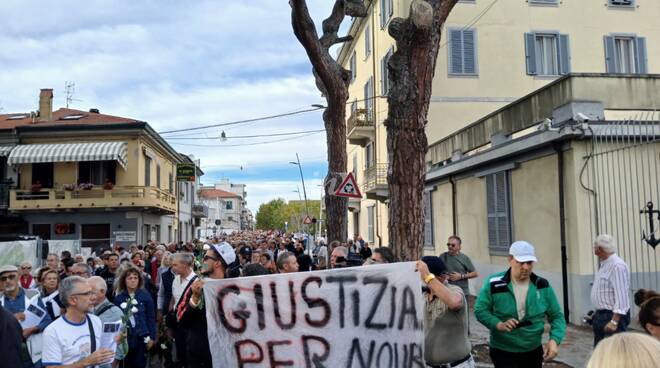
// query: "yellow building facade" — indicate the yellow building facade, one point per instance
point(492, 53)
point(99, 179)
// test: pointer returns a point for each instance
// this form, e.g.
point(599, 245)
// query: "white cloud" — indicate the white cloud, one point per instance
point(173, 64)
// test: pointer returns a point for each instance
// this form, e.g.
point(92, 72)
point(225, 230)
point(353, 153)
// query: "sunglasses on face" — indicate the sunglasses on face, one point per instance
point(452, 245)
point(26, 268)
point(206, 258)
point(8, 277)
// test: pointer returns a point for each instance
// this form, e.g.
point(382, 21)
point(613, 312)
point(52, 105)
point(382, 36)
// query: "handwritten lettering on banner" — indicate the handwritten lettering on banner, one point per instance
point(353, 317)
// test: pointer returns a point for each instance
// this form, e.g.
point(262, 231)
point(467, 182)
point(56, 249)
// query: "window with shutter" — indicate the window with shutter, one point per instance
point(623, 3)
point(498, 205)
point(462, 51)
point(543, 2)
point(625, 55)
point(368, 98)
point(367, 41)
point(353, 67)
point(386, 10)
point(384, 74)
point(370, 224)
point(428, 219)
point(547, 53)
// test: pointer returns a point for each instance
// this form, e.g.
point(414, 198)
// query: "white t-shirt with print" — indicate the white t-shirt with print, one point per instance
point(65, 342)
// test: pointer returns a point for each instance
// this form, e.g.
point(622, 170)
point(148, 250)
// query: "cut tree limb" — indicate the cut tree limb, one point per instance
point(332, 80)
point(411, 70)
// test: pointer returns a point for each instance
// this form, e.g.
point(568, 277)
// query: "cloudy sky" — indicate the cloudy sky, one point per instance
point(178, 64)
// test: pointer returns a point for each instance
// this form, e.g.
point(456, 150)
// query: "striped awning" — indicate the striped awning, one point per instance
point(5, 149)
point(70, 152)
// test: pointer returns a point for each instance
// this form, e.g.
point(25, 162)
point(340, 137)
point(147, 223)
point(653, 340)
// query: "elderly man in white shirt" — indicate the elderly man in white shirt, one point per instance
point(609, 293)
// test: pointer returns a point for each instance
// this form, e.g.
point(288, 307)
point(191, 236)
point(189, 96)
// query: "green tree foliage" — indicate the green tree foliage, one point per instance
point(273, 214)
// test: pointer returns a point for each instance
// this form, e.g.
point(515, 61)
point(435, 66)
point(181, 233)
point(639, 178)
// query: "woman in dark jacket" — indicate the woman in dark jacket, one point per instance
point(130, 293)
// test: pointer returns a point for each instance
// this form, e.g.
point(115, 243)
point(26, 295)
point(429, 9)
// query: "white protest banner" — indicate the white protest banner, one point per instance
point(351, 317)
point(15, 252)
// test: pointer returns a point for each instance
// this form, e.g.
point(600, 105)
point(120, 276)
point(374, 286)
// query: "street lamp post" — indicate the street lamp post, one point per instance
point(302, 179)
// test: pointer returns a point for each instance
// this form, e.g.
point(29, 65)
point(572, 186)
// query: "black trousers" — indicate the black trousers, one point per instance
point(506, 359)
point(601, 318)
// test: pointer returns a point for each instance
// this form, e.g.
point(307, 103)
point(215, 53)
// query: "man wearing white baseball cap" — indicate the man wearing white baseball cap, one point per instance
point(217, 260)
point(514, 304)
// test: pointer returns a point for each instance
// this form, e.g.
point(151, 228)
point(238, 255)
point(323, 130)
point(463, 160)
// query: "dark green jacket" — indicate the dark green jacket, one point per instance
point(496, 303)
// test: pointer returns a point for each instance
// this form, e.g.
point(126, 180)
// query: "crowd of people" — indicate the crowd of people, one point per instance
point(155, 290)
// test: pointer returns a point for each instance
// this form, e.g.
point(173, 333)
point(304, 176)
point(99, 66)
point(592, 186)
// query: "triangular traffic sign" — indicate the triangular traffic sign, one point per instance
point(349, 188)
point(308, 221)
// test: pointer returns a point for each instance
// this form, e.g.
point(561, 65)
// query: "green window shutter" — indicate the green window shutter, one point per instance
point(564, 54)
point(610, 59)
point(641, 61)
point(530, 53)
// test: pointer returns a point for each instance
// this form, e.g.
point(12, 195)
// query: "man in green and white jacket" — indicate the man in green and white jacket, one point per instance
point(514, 305)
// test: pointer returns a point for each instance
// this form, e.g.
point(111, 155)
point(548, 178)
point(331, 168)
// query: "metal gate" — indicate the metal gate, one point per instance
point(623, 175)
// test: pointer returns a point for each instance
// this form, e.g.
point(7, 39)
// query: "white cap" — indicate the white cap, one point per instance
point(226, 252)
point(522, 251)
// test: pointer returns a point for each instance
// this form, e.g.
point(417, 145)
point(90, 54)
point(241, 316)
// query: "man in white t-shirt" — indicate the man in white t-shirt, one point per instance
point(67, 342)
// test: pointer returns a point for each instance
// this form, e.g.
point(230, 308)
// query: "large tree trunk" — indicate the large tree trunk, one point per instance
point(332, 80)
point(411, 69)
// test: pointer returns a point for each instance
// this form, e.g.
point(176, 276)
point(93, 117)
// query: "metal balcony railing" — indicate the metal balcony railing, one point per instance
point(375, 177)
point(360, 118)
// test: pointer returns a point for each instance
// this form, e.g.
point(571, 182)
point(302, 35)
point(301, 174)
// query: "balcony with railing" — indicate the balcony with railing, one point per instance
point(360, 127)
point(200, 210)
point(375, 182)
point(129, 197)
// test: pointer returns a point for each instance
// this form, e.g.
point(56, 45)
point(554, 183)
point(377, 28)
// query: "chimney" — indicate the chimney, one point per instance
point(46, 104)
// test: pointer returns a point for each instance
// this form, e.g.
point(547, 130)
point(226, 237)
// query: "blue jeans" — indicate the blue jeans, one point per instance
point(601, 318)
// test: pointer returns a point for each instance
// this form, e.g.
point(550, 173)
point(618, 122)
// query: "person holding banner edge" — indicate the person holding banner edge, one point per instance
point(216, 263)
point(446, 343)
point(513, 305)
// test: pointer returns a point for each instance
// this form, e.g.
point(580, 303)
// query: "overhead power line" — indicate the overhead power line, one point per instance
point(250, 136)
point(262, 118)
point(245, 144)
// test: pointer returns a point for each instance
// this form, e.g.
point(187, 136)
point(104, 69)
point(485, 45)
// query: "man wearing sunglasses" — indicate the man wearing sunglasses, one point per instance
point(514, 305)
point(16, 300)
point(217, 261)
point(459, 265)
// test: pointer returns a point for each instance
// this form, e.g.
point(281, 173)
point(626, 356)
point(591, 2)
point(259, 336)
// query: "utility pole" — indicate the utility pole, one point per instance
point(303, 181)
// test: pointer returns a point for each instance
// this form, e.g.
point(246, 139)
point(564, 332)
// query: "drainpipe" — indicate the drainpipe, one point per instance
point(562, 229)
point(454, 217)
point(373, 104)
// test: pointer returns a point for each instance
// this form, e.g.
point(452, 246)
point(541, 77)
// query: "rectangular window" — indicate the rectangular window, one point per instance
point(147, 171)
point(368, 98)
point(369, 158)
point(626, 55)
point(229, 205)
point(498, 203)
point(170, 182)
point(462, 51)
point(95, 236)
point(386, 10)
point(41, 230)
point(625, 3)
point(355, 167)
point(354, 107)
point(97, 172)
point(42, 173)
point(547, 53)
point(169, 234)
point(385, 74)
point(367, 41)
point(158, 176)
point(370, 224)
point(157, 232)
point(353, 67)
point(428, 219)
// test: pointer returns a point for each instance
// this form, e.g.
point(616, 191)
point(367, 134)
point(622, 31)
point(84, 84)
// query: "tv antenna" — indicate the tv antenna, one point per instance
point(69, 90)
